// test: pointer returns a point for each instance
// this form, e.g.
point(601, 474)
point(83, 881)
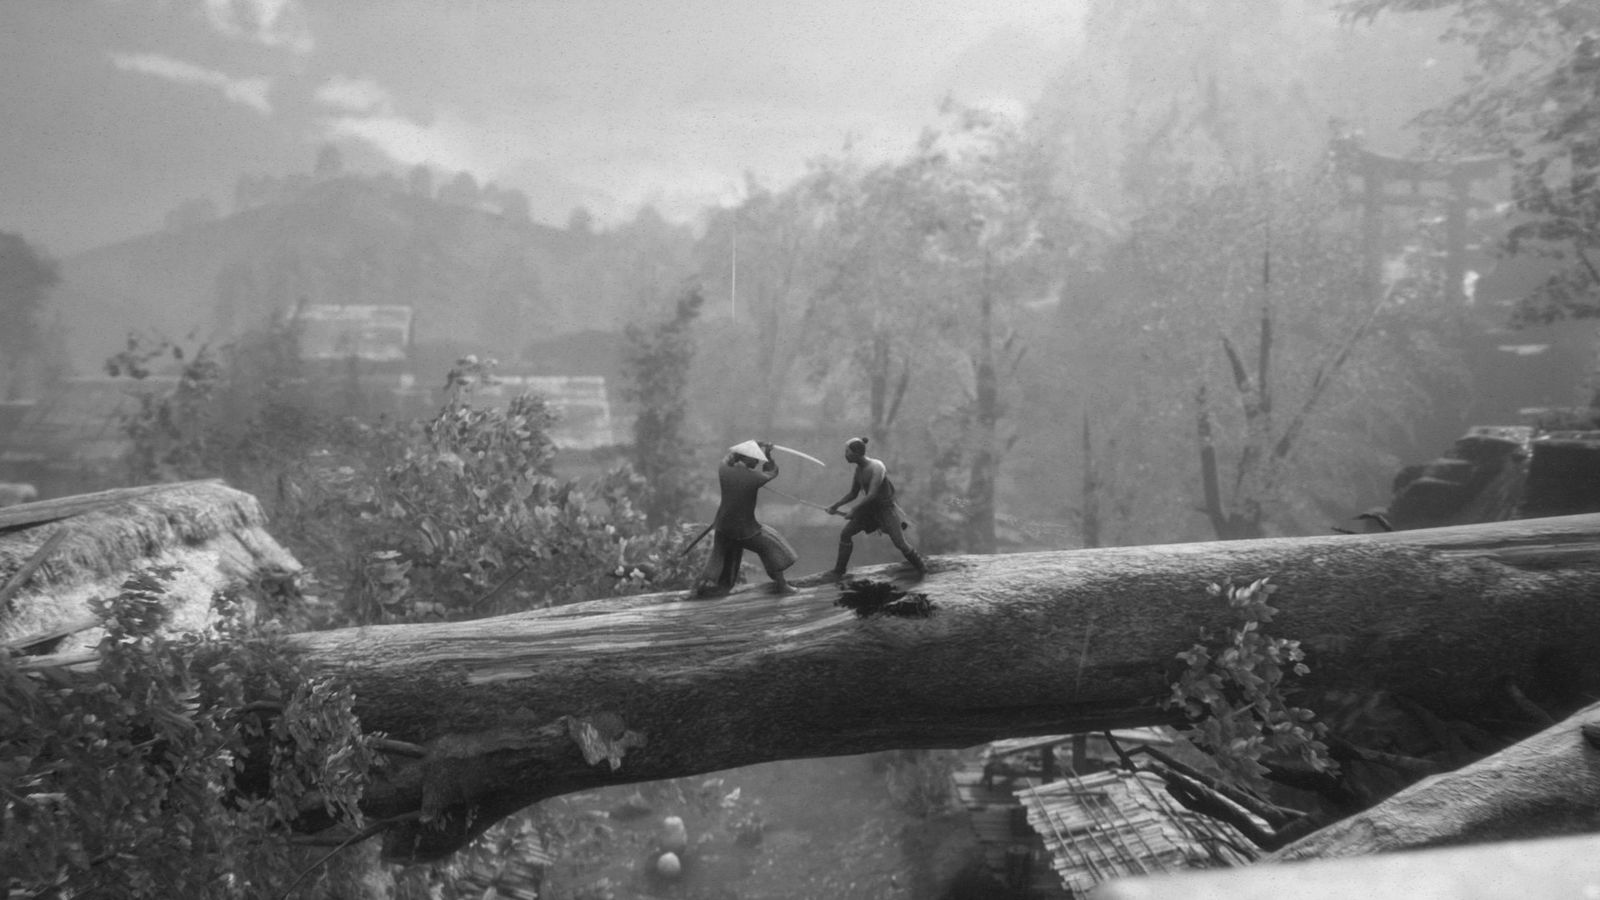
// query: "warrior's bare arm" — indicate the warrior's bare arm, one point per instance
point(855, 491)
point(876, 477)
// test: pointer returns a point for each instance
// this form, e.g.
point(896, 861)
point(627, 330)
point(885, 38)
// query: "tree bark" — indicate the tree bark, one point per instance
point(1557, 867)
point(1545, 786)
point(518, 708)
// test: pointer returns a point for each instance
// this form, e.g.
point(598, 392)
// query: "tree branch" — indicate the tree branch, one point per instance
point(1210, 483)
point(1321, 380)
point(1546, 785)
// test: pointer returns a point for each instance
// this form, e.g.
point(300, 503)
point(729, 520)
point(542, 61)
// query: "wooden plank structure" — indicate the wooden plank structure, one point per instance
point(1115, 824)
point(1012, 850)
point(1053, 825)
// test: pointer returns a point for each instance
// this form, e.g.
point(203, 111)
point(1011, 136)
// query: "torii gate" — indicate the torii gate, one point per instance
point(1456, 178)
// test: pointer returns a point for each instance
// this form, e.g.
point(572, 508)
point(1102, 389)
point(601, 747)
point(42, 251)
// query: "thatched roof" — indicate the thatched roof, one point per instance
point(1115, 823)
point(214, 534)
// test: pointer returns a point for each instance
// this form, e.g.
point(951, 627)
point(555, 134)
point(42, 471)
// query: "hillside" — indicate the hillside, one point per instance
point(477, 280)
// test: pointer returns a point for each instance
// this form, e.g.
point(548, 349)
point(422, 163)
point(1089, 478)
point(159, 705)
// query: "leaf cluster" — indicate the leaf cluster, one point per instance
point(462, 516)
point(454, 516)
point(233, 410)
point(26, 279)
point(170, 433)
point(150, 777)
point(1233, 690)
point(1251, 291)
point(657, 362)
point(1534, 101)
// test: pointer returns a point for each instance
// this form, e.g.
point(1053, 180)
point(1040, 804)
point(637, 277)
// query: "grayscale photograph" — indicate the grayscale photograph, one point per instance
point(808, 450)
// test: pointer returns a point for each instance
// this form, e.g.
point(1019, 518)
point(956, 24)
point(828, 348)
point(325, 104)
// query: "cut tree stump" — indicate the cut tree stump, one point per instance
point(59, 555)
point(518, 708)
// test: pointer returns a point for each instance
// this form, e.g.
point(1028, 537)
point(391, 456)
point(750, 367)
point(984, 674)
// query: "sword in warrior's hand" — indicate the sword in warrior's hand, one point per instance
point(697, 539)
point(804, 502)
point(806, 456)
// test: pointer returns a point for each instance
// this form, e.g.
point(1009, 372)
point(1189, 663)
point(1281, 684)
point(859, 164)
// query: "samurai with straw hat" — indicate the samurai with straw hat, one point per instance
point(744, 471)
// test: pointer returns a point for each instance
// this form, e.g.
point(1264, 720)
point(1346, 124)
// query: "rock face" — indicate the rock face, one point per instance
point(1563, 475)
point(1495, 473)
point(212, 535)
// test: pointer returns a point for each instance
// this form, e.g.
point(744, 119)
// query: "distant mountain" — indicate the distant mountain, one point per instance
point(478, 280)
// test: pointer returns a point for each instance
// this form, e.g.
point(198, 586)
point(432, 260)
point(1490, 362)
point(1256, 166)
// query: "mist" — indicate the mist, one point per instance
point(1081, 274)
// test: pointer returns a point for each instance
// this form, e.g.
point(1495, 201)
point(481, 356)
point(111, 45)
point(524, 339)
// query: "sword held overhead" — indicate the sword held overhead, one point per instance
point(805, 456)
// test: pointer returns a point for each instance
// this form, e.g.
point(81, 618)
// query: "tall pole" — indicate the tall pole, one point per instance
point(733, 279)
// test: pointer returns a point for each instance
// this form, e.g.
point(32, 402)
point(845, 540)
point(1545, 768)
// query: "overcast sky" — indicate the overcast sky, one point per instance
point(117, 110)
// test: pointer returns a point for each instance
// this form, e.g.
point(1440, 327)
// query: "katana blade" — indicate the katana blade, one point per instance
point(794, 452)
point(801, 500)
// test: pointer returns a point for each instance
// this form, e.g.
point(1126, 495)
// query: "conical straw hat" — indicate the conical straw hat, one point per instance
point(750, 449)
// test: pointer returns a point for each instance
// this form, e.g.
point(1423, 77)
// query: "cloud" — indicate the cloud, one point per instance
point(446, 143)
point(251, 92)
point(354, 95)
point(271, 23)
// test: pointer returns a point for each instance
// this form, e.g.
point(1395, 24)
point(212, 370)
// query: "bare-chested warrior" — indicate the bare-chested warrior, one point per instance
point(877, 510)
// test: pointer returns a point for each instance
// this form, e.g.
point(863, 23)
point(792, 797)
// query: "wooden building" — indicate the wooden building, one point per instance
point(1056, 815)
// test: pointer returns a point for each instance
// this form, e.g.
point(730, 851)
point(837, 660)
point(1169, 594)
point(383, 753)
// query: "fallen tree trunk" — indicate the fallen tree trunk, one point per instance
point(57, 555)
point(510, 710)
point(1542, 869)
point(1545, 786)
point(1516, 801)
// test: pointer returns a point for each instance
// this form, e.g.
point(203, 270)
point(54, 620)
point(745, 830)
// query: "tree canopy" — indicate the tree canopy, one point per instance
point(1535, 100)
point(26, 277)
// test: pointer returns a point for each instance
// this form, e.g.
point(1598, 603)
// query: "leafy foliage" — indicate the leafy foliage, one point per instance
point(1233, 690)
point(932, 257)
point(770, 256)
point(462, 516)
point(1535, 100)
point(234, 410)
point(458, 515)
point(169, 432)
point(26, 278)
point(129, 781)
point(1225, 300)
point(657, 363)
